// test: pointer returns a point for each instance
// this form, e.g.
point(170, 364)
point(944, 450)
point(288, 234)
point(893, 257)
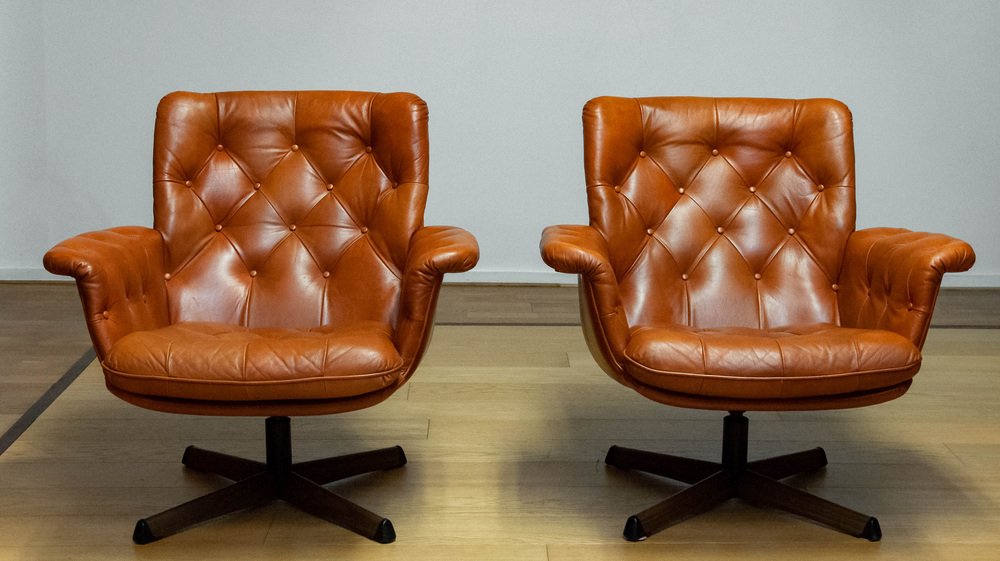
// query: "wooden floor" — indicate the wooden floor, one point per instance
point(505, 428)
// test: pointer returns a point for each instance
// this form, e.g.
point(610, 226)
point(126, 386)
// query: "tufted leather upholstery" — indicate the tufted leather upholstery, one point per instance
point(721, 268)
point(288, 265)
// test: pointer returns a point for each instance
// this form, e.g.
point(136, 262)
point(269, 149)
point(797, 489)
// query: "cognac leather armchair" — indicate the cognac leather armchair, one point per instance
point(721, 270)
point(288, 272)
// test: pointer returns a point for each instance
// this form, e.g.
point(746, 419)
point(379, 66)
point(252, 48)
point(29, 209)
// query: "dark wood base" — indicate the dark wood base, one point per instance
point(257, 483)
point(756, 482)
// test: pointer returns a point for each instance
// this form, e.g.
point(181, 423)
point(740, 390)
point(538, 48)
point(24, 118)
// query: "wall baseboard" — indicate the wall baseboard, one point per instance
point(963, 280)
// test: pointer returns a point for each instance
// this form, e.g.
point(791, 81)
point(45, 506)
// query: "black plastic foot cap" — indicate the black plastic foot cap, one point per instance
point(402, 456)
point(142, 533)
point(385, 533)
point(872, 531)
point(612, 457)
point(634, 532)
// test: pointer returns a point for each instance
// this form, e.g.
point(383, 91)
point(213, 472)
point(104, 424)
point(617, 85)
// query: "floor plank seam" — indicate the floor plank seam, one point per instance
point(31, 415)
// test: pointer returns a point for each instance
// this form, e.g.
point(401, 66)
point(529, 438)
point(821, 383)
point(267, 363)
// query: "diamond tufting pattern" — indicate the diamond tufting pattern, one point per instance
point(278, 208)
point(710, 203)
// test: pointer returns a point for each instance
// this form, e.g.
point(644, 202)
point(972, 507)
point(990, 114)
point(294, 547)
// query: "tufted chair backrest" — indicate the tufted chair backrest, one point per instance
point(722, 212)
point(288, 209)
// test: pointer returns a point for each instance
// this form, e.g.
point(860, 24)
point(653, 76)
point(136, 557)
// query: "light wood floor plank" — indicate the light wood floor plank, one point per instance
point(505, 429)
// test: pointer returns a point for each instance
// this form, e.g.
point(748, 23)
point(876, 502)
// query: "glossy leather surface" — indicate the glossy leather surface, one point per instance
point(288, 261)
point(721, 267)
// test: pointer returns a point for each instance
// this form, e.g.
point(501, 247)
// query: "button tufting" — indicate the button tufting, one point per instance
point(295, 147)
point(395, 184)
point(715, 152)
point(218, 227)
point(188, 183)
point(253, 273)
point(835, 287)
point(681, 190)
point(368, 148)
point(326, 274)
point(292, 227)
point(166, 276)
point(720, 229)
point(649, 231)
point(791, 231)
point(684, 276)
point(256, 186)
point(753, 189)
point(618, 188)
point(105, 314)
point(788, 154)
point(642, 153)
point(364, 229)
point(820, 188)
point(329, 187)
point(756, 276)
point(219, 148)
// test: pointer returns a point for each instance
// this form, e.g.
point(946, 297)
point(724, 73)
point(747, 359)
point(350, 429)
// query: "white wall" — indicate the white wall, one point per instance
point(24, 226)
point(505, 83)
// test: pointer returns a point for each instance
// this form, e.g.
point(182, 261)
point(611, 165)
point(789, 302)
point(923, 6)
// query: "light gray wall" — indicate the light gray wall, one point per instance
point(505, 82)
point(24, 223)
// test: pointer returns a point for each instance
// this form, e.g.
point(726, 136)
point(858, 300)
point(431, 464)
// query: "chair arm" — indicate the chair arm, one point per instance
point(891, 277)
point(583, 250)
point(434, 251)
point(119, 274)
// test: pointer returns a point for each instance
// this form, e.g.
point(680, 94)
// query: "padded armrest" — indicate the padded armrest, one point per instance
point(583, 250)
point(119, 273)
point(434, 251)
point(891, 277)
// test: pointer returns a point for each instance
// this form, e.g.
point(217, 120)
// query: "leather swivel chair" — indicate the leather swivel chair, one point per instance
point(288, 273)
point(721, 270)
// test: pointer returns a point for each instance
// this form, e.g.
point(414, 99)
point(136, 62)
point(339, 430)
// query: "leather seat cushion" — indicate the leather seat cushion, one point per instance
point(222, 362)
point(810, 361)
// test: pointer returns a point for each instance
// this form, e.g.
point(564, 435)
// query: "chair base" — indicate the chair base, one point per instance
point(756, 482)
point(256, 483)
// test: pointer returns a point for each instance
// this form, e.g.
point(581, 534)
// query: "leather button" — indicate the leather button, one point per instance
point(253, 273)
point(364, 229)
point(681, 190)
point(835, 287)
point(618, 188)
point(256, 186)
point(105, 314)
point(218, 227)
point(295, 147)
point(642, 153)
point(756, 276)
point(166, 276)
point(293, 227)
point(188, 183)
point(684, 276)
point(219, 148)
point(753, 189)
point(368, 149)
point(326, 274)
point(791, 231)
point(720, 229)
point(788, 154)
point(329, 187)
point(820, 188)
point(395, 184)
point(649, 231)
point(715, 152)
